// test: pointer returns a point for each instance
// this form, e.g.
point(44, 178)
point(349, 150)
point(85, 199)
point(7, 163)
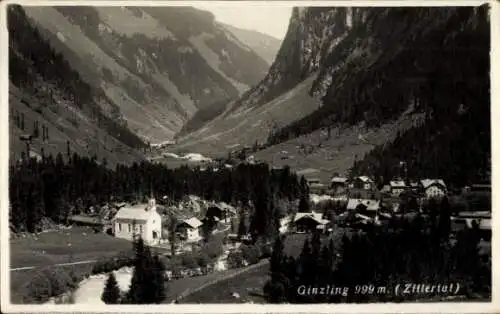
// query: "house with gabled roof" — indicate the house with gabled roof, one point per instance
point(308, 222)
point(397, 187)
point(433, 188)
point(362, 182)
point(363, 204)
point(338, 185)
point(189, 229)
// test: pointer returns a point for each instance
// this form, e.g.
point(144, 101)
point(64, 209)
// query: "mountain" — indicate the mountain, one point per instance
point(264, 45)
point(156, 66)
point(346, 80)
point(51, 102)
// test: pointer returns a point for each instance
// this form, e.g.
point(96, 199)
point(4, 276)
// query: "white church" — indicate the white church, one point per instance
point(145, 219)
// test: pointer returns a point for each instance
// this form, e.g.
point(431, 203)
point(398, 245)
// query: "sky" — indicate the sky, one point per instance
point(271, 20)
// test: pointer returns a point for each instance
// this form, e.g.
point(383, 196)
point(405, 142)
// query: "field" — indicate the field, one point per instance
point(51, 248)
point(335, 154)
point(247, 124)
point(249, 284)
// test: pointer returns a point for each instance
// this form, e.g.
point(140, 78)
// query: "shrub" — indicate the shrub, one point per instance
point(49, 283)
point(60, 280)
point(235, 259)
point(251, 253)
point(38, 289)
point(265, 251)
point(123, 259)
point(203, 259)
point(213, 249)
point(189, 261)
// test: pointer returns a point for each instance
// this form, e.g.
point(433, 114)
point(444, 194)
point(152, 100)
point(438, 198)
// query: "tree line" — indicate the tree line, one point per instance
point(402, 251)
point(58, 187)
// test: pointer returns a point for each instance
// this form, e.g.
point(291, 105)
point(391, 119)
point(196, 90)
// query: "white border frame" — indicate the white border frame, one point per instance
point(465, 307)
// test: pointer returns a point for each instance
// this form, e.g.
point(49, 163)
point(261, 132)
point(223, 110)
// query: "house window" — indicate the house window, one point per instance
point(119, 227)
point(129, 228)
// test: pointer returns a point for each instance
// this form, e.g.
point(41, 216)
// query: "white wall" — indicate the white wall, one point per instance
point(434, 191)
point(124, 233)
point(147, 227)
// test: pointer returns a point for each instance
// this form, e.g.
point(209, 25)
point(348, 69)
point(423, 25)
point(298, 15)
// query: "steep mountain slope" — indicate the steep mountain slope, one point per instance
point(312, 34)
point(50, 101)
point(157, 66)
point(264, 45)
point(365, 67)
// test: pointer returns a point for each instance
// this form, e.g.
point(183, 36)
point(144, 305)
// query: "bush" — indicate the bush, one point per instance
point(49, 283)
point(265, 251)
point(251, 253)
point(213, 249)
point(235, 259)
point(203, 259)
point(189, 261)
point(60, 280)
point(107, 265)
point(38, 289)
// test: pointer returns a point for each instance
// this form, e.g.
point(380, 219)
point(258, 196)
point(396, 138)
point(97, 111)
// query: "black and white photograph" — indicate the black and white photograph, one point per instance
point(252, 153)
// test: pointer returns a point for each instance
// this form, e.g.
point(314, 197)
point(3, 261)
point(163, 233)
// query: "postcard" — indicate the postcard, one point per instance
point(248, 156)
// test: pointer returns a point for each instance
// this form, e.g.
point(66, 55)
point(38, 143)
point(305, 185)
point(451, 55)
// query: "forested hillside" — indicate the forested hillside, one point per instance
point(50, 97)
point(435, 59)
point(55, 188)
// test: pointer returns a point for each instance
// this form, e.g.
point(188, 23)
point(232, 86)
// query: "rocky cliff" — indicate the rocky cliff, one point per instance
point(362, 70)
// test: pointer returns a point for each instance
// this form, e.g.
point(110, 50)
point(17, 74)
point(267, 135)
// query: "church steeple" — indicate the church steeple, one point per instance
point(152, 200)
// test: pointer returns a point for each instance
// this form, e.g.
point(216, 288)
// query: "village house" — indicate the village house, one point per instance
point(386, 189)
point(433, 188)
point(362, 182)
point(221, 212)
point(87, 221)
point(315, 186)
point(189, 229)
point(142, 219)
point(363, 205)
point(338, 185)
point(309, 222)
point(414, 187)
point(397, 187)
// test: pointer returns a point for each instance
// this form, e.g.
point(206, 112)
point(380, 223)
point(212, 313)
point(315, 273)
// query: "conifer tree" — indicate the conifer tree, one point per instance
point(242, 227)
point(304, 206)
point(111, 293)
point(147, 284)
point(276, 289)
point(444, 226)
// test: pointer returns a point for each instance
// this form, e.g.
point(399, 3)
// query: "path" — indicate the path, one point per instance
point(80, 262)
point(53, 265)
point(190, 291)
